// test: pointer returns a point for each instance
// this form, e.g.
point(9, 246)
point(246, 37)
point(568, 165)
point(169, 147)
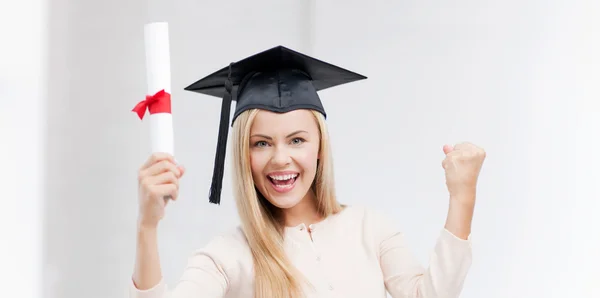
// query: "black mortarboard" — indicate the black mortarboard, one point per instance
point(277, 80)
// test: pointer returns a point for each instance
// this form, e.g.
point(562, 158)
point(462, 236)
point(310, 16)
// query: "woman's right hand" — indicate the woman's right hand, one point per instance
point(158, 181)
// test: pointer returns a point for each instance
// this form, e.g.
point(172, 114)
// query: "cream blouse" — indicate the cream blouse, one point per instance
point(355, 253)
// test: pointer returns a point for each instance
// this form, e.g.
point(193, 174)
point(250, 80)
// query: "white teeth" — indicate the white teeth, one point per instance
point(283, 177)
point(284, 186)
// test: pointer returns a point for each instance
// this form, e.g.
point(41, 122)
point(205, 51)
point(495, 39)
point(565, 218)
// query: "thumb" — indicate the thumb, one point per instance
point(181, 170)
point(448, 149)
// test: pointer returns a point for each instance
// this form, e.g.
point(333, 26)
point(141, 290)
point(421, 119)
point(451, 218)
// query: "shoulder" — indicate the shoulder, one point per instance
point(229, 252)
point(230, 246)
point(374, 224)
point(365, 228)
point(367, 217)
point(232, 239)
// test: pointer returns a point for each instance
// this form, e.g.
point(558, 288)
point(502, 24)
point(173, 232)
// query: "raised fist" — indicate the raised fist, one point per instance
point(462, 164)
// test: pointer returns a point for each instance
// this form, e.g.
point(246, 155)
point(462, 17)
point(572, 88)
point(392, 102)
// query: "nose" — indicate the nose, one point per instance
point(281, 157)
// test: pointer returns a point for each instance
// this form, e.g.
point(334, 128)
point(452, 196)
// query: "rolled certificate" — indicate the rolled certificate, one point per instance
point(158, 98)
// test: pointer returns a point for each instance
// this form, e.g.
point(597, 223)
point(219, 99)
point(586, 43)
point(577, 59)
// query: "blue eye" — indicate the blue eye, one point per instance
point(260, 144)
point(297, 141)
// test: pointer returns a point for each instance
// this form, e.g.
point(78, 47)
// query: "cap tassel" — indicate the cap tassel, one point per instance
point(217, 182)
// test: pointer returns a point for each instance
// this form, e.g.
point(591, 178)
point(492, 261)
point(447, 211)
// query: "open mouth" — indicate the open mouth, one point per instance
point(283, 183)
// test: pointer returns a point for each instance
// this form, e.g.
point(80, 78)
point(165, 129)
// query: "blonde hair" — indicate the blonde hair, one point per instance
point(274, 274)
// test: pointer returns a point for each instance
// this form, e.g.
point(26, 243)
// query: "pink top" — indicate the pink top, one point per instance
point(356, 253)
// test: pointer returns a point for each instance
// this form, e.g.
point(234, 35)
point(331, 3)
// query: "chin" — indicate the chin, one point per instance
point(283, 202)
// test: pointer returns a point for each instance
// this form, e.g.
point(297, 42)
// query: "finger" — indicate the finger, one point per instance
point(167, 191)
point(164, 178)
point(465, 146)
point(161, 167)
point(446, 162)
point(155, 158)
point(181, 170)
point(156, 169)
point(448, 149)
point(169, 197)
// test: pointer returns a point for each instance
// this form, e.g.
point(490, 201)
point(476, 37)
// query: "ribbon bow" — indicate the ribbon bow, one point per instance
point(157, 103)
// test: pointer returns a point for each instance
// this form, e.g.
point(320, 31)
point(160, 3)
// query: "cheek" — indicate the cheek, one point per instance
point(258, 162)
point(308, 159)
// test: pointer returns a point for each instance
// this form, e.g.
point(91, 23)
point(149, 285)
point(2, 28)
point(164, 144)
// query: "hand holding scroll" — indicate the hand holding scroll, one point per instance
point(157, 178)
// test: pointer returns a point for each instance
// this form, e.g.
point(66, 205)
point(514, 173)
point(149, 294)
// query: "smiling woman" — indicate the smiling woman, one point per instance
point(296, 239)
point(277, 159)
point(284, 154)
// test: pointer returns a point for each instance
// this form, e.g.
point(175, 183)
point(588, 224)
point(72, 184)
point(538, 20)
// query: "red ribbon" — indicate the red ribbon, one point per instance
point(157, 103)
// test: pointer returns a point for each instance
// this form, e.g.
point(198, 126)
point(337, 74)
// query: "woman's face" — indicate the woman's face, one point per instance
point(284, 149)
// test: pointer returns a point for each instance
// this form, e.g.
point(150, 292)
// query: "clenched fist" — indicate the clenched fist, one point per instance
point(462, 164)
point(158, 181)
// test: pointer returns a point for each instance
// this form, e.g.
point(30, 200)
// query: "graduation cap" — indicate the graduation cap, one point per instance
point(278, 80)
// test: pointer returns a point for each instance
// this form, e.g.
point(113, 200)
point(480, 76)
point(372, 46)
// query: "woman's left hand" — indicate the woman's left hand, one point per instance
point(462, 165)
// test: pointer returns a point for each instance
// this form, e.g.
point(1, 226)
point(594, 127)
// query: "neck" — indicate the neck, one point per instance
point(304, 212)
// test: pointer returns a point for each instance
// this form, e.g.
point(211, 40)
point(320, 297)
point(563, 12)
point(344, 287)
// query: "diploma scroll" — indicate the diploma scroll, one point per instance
point(158, 98)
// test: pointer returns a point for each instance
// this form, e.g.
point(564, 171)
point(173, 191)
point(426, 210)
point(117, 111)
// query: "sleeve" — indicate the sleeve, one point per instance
point(405, 277)
point(204, 276)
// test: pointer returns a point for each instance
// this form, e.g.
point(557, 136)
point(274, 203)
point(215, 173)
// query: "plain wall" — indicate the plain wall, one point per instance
point(518, 78)
point(22, 118)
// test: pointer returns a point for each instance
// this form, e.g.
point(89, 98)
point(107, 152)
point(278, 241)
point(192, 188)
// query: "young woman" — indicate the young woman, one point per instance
point(296, 239)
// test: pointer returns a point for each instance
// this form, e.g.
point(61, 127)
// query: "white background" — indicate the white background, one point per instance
point(519, 78)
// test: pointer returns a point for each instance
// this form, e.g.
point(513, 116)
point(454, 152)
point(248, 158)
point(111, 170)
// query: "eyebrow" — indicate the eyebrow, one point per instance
point(269, 138)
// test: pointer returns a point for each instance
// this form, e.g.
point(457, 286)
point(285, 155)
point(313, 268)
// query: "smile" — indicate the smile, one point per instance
point(283, 183)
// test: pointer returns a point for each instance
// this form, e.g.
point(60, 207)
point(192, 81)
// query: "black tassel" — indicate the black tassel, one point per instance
point(217, 182)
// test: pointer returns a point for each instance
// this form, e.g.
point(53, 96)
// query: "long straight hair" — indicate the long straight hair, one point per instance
point(274, 274)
